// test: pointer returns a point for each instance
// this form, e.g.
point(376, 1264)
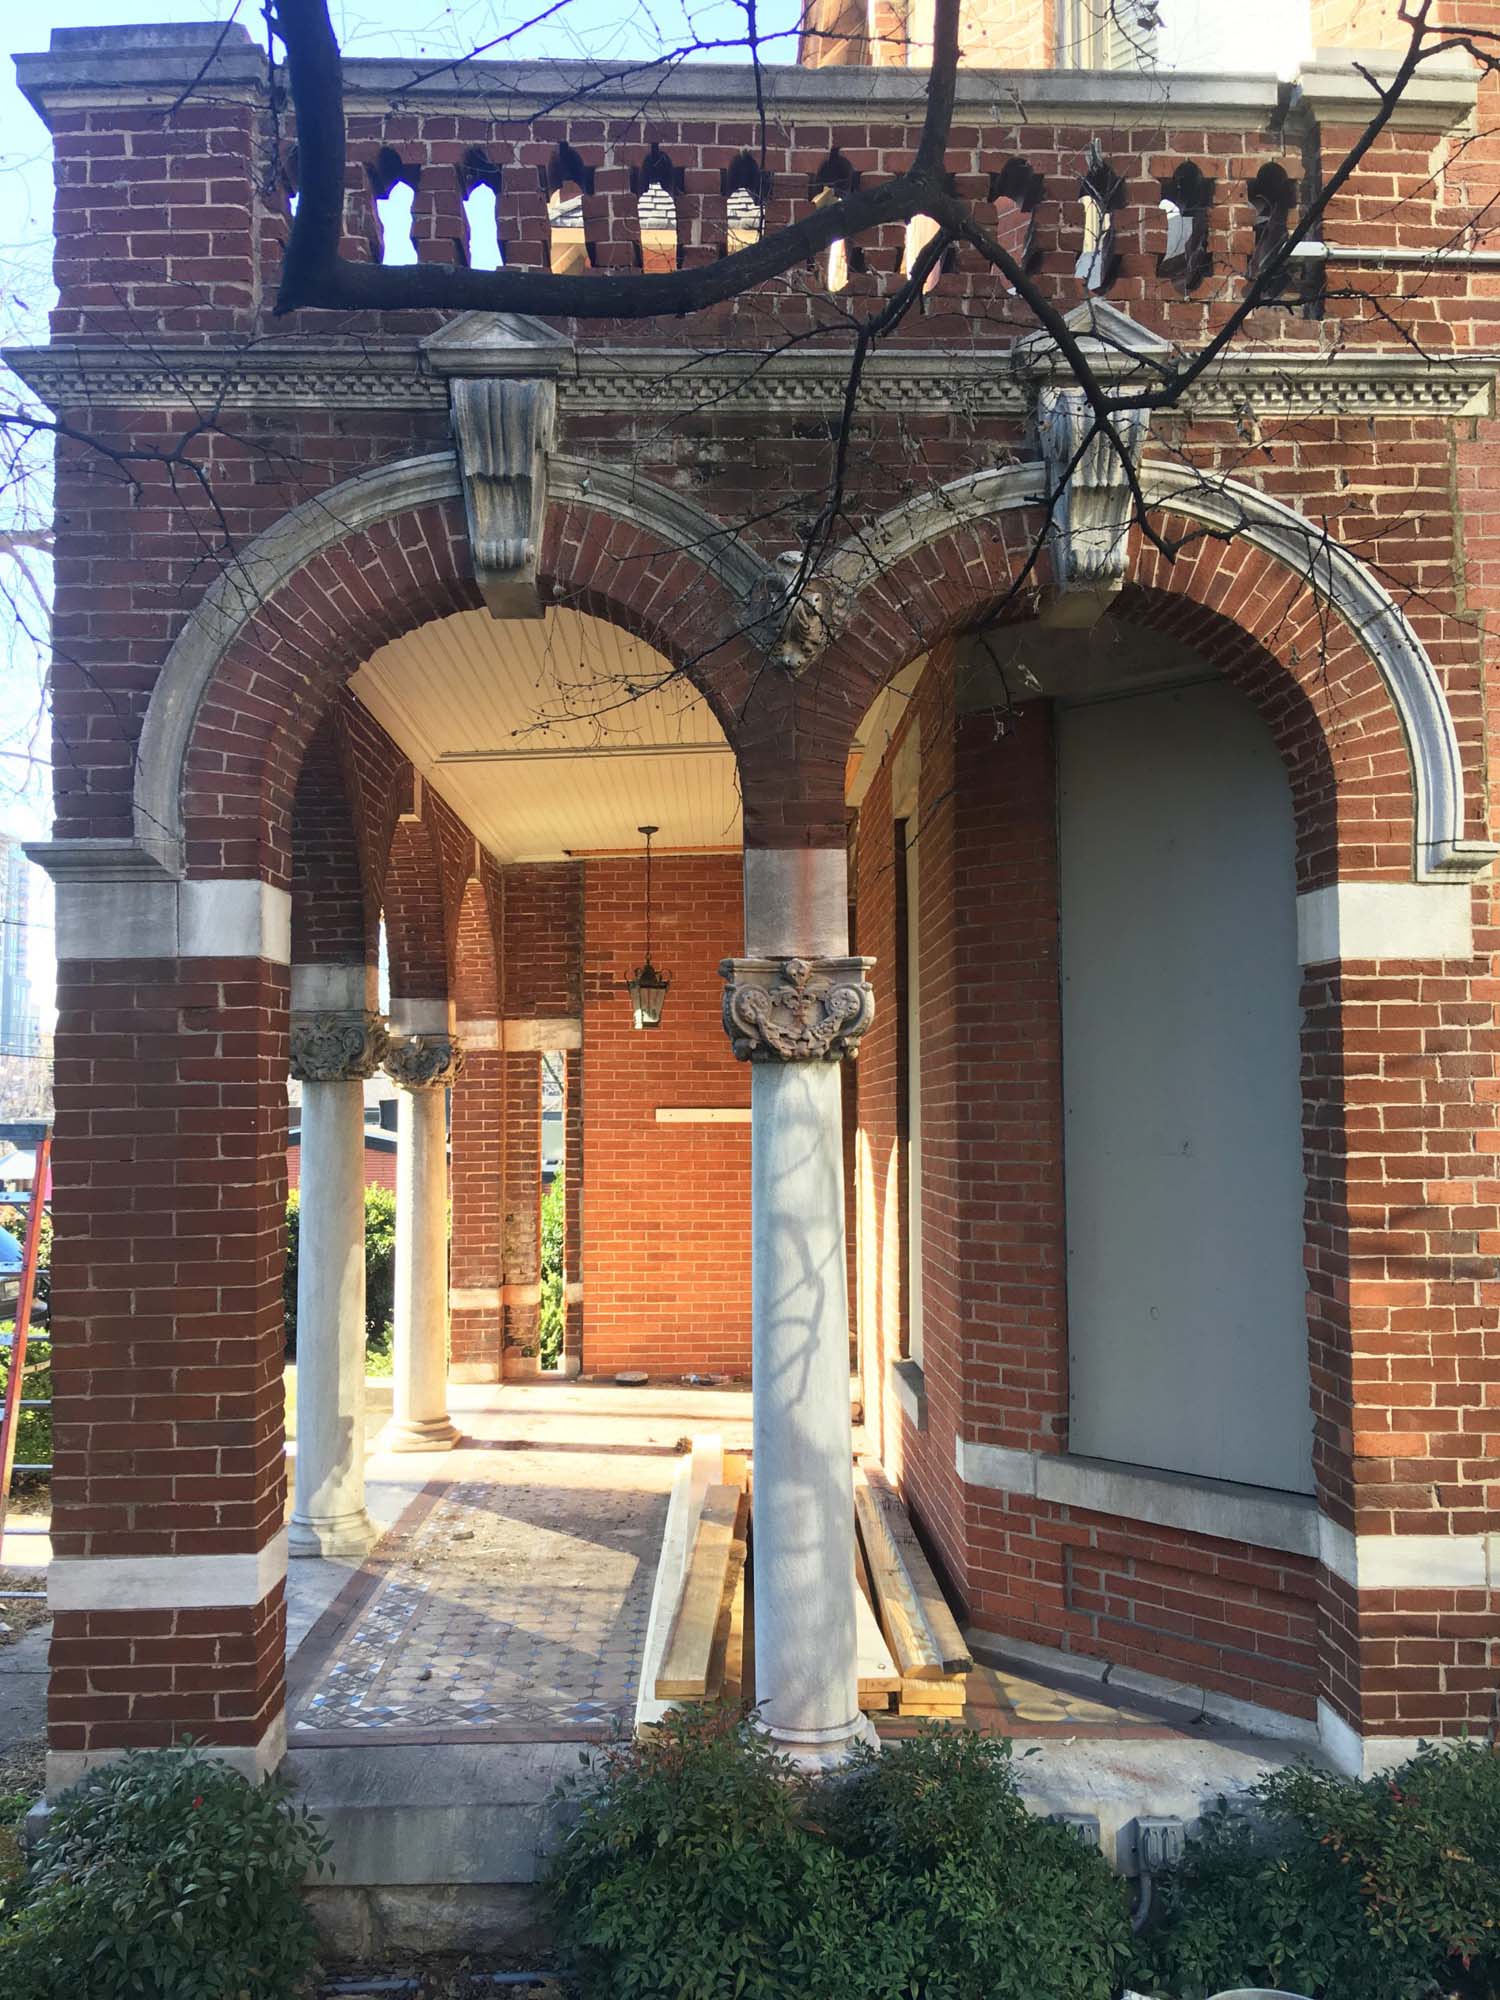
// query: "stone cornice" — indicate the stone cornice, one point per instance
point(309, 374)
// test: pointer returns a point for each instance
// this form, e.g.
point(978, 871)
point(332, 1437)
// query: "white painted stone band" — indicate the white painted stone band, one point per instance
point(478, 1034)
point(322, 989)
point(1267, 1520)
point(166, 1583)
point(421, 1017)
point(1429, 920)
point(707, 1114)
point(560, 1031)
point(474, 1298)
point(796, 902)
point(141, 918)
point(253, 1761)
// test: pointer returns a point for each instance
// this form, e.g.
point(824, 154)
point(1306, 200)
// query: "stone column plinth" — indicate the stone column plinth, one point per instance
point(333, 1052)
point(795, 1019)
point(423, 1065)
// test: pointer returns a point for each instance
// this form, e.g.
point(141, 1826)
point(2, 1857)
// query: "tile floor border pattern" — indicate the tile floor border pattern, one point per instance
point(500, 1610)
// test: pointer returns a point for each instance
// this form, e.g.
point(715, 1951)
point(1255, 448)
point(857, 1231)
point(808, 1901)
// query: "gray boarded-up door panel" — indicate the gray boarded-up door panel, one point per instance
point(1187, 1323)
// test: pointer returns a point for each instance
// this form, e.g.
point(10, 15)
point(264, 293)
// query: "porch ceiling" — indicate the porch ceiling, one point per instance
point(534, 731)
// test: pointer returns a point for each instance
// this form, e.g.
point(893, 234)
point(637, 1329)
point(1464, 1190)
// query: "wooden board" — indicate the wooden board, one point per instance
point(901, 1615)
point(879, 1676)
point(688, 1664)
point(944, 1637)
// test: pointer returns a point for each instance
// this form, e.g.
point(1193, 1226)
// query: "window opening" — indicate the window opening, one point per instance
point(1101, 193)
point(833, 180)
point(1185, 201)
point(1107, 34)
point(1273, 196)
point(746, 192)
point(1015, 192)
point(655, 184)
point(479, 185)
point(568, 181)
point(393, 185)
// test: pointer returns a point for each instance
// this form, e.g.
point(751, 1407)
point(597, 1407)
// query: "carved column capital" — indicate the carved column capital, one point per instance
point(337, 1045)
point(796, 1009)
point(424, 1061)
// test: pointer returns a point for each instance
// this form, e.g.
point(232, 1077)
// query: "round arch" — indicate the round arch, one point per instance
point(901, 560)
point(890, 577)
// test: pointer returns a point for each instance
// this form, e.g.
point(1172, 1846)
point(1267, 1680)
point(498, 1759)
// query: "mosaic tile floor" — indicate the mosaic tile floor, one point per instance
point(509, 1602)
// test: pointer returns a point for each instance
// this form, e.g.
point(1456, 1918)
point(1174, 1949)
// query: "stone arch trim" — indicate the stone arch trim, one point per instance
point(245, 631)
point(902, 551)
point(898, 558)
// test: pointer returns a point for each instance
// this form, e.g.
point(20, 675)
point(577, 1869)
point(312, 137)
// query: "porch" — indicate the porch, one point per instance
point(440, 1688)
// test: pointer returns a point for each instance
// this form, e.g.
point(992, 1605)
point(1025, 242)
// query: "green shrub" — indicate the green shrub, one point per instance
point(380, 1271)
point(552, 1308)
point(1386, 1888)
point(698, 1865)
point(33, 1427)
point(166, 1876)
point(1006, 1906)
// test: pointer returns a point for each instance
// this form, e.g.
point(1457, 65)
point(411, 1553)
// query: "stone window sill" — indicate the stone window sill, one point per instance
point(909, 1387)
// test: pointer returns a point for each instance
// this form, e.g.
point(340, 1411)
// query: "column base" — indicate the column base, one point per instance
point(341, 1535)
point(428, 1434)
point(815, 1750)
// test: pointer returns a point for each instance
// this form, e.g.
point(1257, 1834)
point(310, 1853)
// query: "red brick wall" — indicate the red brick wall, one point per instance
point(169, 1200)
point(666, 1208)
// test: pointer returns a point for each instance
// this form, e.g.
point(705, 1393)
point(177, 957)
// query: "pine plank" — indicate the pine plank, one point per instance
point(946, 1639)
point(688, 1662)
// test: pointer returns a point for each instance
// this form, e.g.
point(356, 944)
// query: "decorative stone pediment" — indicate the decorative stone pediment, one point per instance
point(796, 1009)
point(502, 371)
point(1112, 342)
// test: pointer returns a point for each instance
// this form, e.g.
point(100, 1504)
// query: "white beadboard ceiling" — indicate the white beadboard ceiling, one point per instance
point(555, 735)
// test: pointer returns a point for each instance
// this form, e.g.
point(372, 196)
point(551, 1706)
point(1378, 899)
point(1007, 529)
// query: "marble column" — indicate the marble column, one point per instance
point(333, 1051)
point(795, 1007)
point(423, 1065)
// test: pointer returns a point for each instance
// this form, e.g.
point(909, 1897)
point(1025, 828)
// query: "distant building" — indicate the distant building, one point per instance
point(20, 1028)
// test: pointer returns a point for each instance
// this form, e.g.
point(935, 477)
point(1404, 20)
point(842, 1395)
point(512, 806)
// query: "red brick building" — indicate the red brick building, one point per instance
point(1169, 1157)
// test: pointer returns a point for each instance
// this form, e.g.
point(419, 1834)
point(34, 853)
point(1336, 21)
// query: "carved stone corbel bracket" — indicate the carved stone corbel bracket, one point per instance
point(337, 1046)
point(796, 1009)
point(1092, 503)
point(1088, 529)
point(505, 428)
point(794, 626)
point(424, 1062)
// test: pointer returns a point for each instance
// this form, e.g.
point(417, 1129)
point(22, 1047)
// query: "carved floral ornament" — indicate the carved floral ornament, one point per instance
point(424, 1062)
point(796, 1009)
point(794, 618)
point(337, 1046)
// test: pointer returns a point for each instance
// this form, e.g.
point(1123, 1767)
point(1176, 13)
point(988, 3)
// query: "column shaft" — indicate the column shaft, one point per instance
point(795, 1011)
point(328, 1508)
point(805, 1664)
point(420, 1419)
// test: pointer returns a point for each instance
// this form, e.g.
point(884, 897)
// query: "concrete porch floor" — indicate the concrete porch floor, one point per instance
point(440, 1690)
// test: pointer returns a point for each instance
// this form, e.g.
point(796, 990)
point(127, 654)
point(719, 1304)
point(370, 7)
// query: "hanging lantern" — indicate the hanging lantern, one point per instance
point(648, 987)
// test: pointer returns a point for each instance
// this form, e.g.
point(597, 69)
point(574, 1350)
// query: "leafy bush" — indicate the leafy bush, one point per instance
point(699, 1865)
point(33, 1427)
point(166, 1876)
point(1388, 1888)
point(1004, 1905)
point(552, 1310)
point(380, 1271)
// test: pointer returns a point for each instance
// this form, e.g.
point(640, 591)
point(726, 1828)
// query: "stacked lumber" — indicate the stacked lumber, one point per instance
point(696, 1634)
point(922, 1634)
point(693, 1665)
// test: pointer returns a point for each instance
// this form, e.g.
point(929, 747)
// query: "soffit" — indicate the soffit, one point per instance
point(556, 735)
